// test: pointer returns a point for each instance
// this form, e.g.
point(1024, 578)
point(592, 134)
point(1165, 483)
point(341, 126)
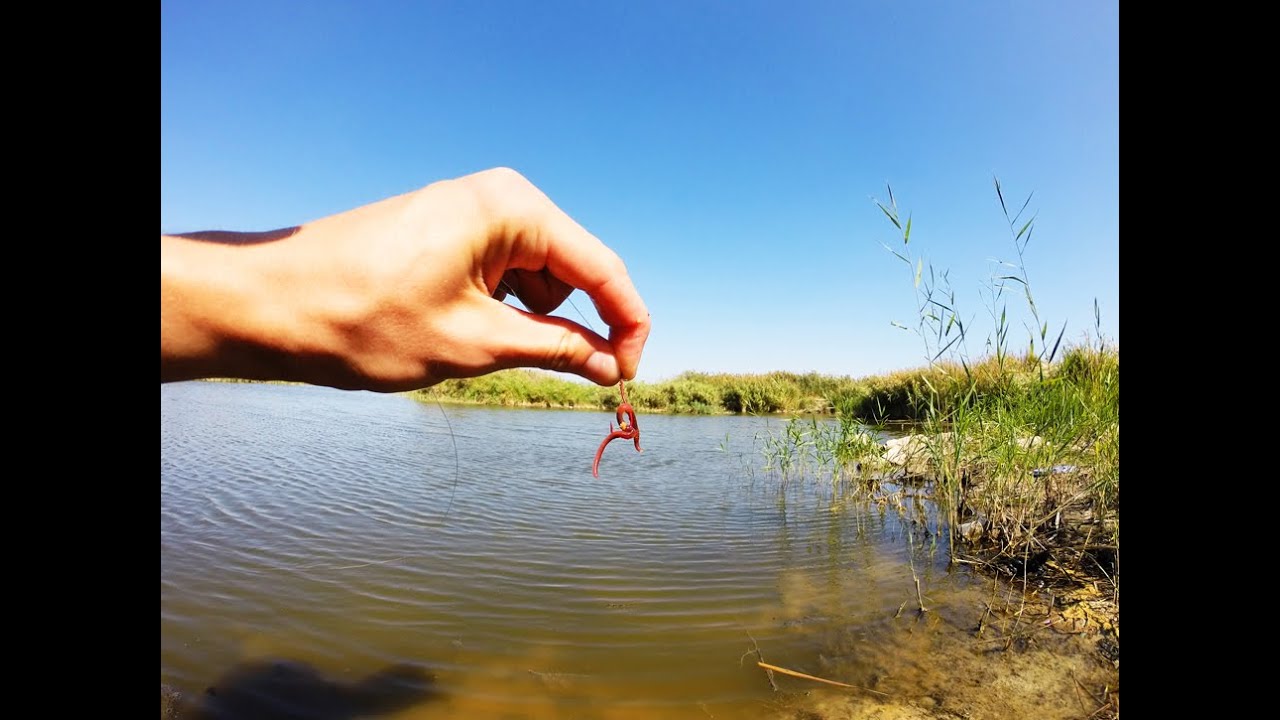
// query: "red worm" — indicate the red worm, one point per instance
point(628, 429)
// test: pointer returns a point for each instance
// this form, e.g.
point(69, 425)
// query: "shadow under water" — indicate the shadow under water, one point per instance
point(282, 689)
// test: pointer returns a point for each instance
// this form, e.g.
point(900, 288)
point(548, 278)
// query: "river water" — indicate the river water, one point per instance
point(340, 555)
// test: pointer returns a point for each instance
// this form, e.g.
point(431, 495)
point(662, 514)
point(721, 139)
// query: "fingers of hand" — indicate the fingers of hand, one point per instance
point(544, 237)
point(522, 339)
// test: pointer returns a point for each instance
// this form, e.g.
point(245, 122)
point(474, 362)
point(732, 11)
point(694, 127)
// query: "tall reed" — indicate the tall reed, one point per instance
point(1020, 446)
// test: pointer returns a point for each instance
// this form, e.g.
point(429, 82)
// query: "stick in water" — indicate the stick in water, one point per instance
point(793, 673)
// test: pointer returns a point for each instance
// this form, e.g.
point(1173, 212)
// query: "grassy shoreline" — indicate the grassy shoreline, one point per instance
point(892, 397)
point(1020, 461)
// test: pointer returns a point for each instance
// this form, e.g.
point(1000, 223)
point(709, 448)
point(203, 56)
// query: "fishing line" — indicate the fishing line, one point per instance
point(457, 463)
point(457, 458)
point(580, 314)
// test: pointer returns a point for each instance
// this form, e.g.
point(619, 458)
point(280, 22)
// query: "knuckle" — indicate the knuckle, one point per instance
point(561, 357)
point(482, 188)
point(501, 179)
point(499, 192)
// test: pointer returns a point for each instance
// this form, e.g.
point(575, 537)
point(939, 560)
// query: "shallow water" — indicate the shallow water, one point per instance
point(335, 555)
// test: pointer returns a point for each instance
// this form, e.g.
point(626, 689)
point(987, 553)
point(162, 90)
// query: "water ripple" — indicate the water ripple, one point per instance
point(341, 530)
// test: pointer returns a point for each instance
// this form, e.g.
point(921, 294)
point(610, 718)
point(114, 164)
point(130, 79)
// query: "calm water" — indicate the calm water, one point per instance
point(339, 555)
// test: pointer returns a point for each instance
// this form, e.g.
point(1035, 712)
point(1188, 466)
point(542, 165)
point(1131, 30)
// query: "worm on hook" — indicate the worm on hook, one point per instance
point(628, 429)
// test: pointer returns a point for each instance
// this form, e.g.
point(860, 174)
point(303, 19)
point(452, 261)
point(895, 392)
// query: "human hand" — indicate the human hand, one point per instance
point(401, 294)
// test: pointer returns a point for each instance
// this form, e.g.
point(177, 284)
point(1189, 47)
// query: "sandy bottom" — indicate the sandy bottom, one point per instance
point(1042, 660)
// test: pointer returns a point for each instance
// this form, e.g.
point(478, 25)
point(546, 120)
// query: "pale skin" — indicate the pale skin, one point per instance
point(400, 294)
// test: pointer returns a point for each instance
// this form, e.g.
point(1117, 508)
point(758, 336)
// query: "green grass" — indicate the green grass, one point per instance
point(520, 388)
point(691, 393)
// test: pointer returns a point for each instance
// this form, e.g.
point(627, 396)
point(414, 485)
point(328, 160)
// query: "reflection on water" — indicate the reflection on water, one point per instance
point(337, 555)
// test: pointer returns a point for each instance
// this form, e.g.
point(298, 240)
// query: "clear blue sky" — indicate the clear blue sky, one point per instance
point(728, 151)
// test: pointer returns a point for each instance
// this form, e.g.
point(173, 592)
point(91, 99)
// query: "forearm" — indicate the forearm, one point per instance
point(215, 316)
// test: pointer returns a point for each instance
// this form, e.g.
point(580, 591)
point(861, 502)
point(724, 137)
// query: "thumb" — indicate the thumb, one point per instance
point(517, 338)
